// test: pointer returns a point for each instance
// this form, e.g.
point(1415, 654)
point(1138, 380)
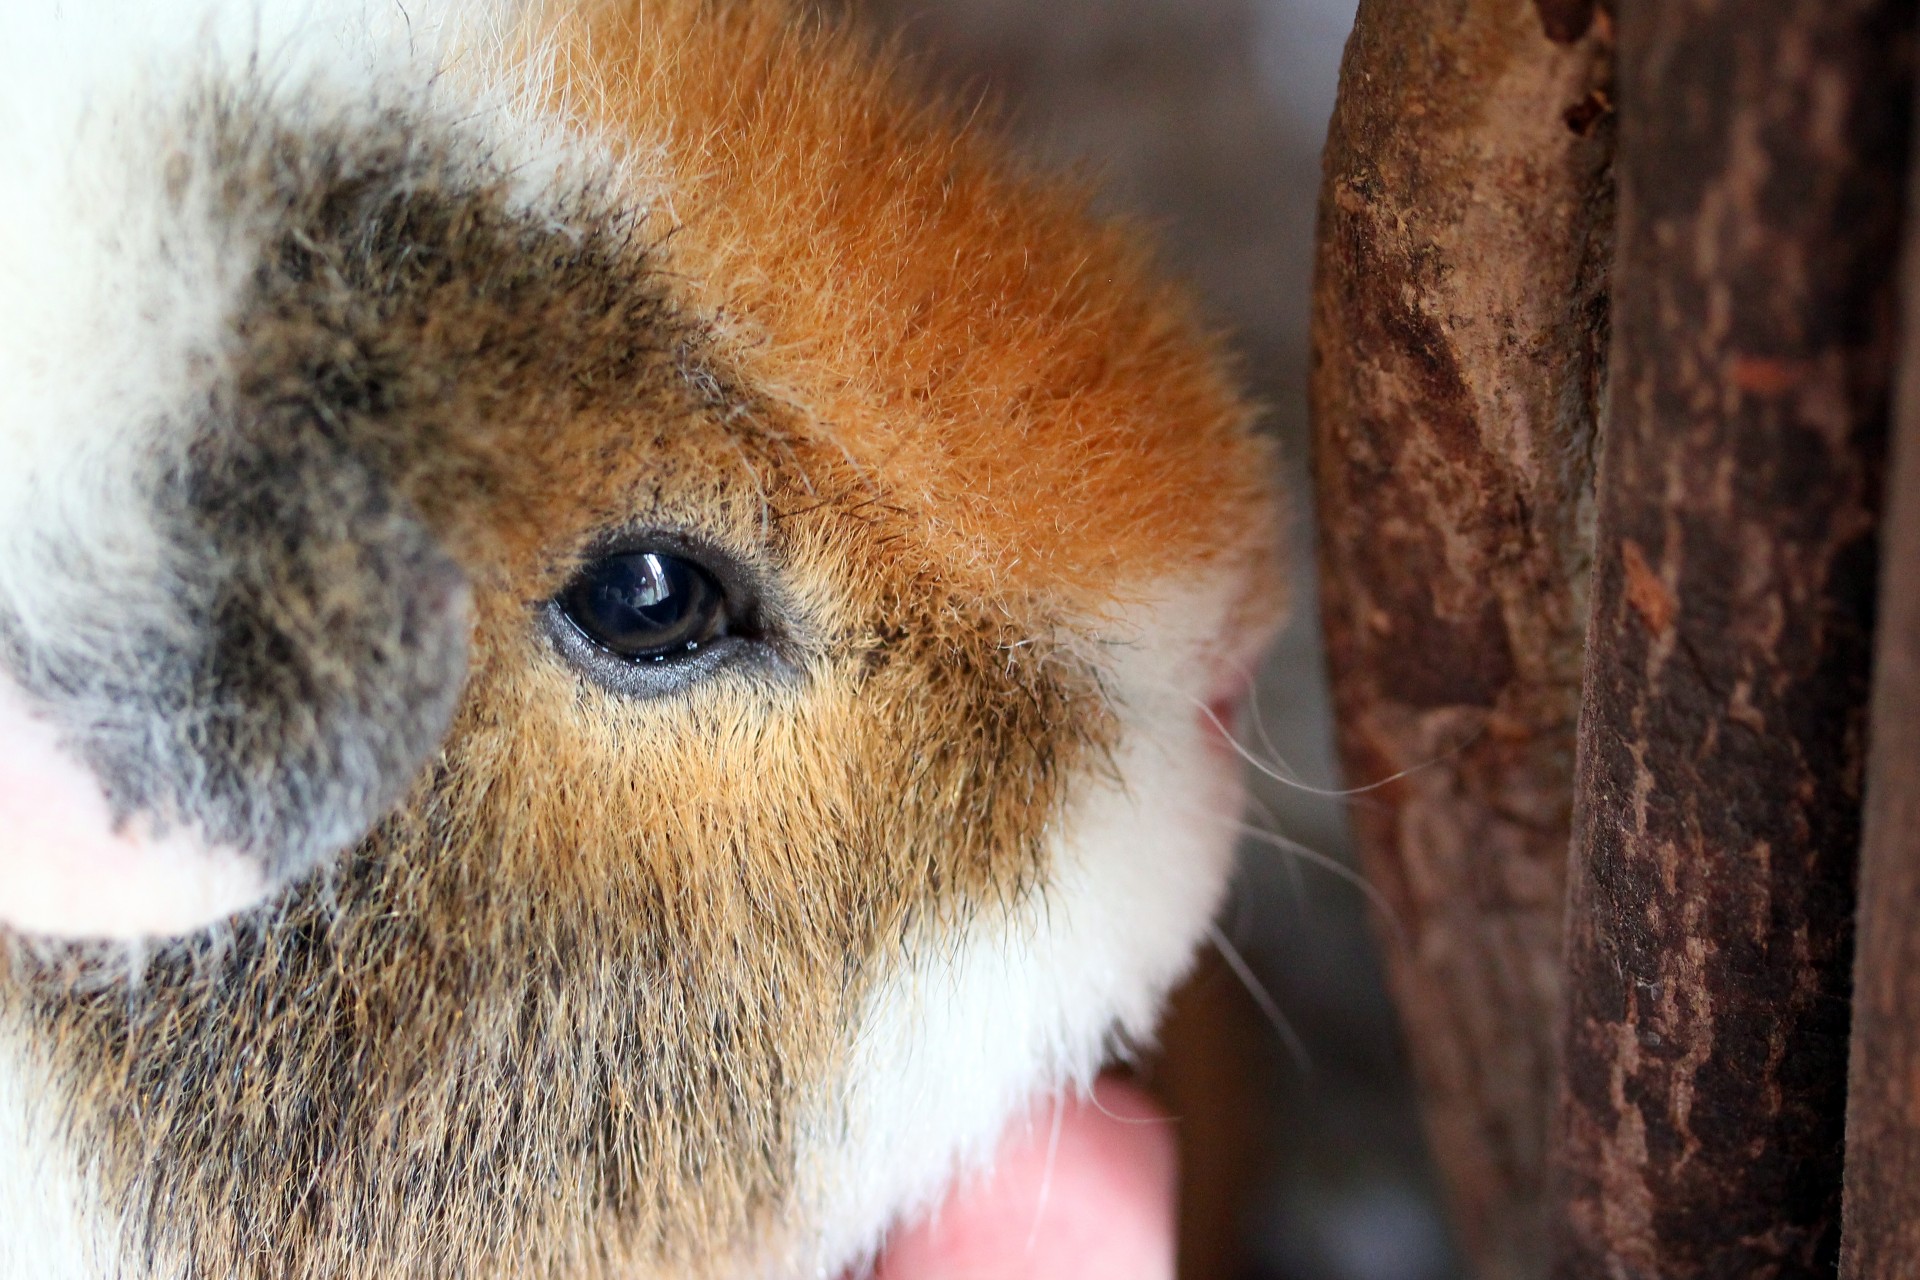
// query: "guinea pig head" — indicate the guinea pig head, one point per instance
point(727, 587)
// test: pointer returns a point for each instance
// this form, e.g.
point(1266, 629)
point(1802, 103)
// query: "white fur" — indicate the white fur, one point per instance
point(1034, 1000)
point(117, 280)
point(51, 1227)
point(111, 306)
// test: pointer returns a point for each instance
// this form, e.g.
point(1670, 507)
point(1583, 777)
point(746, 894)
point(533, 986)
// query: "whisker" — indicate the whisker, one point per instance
point(1046, 1180)
point(1275, 767)
point(1262, 998)
point(1269, 771)
point(1260, 728)
point(1262, 767)
point(1296, 879)
point(1276, 759)
point(1092, 1099)
point(1333, 866)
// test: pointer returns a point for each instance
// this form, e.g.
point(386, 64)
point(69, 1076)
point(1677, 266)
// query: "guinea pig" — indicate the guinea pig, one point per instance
point(613, 639)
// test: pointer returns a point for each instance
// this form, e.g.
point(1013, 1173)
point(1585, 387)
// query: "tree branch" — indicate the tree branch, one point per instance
point(1459, 336)
point(1882, 1209)
point(1723, 714)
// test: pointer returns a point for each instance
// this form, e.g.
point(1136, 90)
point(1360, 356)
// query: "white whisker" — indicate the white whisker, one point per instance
point(1296, 879)
point(1263, 998)
point(1340, 793)
point(1266, 738)
point(1275, 759)
point(1046, 1179)
point(1333, 866)
point(1092, 1099)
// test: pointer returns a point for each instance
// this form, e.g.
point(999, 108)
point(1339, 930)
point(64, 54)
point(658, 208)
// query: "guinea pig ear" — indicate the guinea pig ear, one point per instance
point(69, 868)
point(146, 791)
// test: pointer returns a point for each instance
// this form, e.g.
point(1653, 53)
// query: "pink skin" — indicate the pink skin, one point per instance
point(68, 869)
point(1094, 1203)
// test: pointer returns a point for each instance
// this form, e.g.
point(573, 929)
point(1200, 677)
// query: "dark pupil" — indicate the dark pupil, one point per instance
point(647, 605)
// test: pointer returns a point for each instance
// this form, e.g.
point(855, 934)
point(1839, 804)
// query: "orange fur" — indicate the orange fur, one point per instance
point(1046, 408)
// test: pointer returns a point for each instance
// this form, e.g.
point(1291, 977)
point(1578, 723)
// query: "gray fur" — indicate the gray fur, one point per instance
point(315, 647)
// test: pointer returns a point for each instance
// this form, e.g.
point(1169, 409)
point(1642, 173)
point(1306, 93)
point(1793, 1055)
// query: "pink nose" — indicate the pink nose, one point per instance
point(68, 869)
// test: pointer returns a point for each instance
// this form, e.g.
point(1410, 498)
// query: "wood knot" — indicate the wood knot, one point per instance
point(1565, 21)
point(1584, 116)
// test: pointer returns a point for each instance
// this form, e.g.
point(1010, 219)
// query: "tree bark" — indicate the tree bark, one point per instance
point(1761, 162)
point(1882, 1210)
point(1459, 336)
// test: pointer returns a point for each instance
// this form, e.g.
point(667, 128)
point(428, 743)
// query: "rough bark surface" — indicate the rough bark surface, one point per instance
point(1459, 332)
point(1882, 1212)
point(1761, 167)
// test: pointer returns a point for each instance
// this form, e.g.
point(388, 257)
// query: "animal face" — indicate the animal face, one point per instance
point(627, 617)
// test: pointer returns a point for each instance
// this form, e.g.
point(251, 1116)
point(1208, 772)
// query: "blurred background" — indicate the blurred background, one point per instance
point(1205, 118)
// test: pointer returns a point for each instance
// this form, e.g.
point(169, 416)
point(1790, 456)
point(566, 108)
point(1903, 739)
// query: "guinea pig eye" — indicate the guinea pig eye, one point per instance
point(647, 606)
point(652, 617)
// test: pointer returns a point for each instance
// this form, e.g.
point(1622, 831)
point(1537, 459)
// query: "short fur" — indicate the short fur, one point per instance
point(640, 986)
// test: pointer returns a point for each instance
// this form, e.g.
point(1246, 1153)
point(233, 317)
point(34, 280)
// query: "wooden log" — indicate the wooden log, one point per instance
point(1882, 1204)
point(1459, 335)
point(1761, 159)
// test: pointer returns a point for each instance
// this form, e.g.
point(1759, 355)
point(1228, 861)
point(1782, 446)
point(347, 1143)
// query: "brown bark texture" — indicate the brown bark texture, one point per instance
point(1459, 333)
point(1882, 1210)
point(1761, 168)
